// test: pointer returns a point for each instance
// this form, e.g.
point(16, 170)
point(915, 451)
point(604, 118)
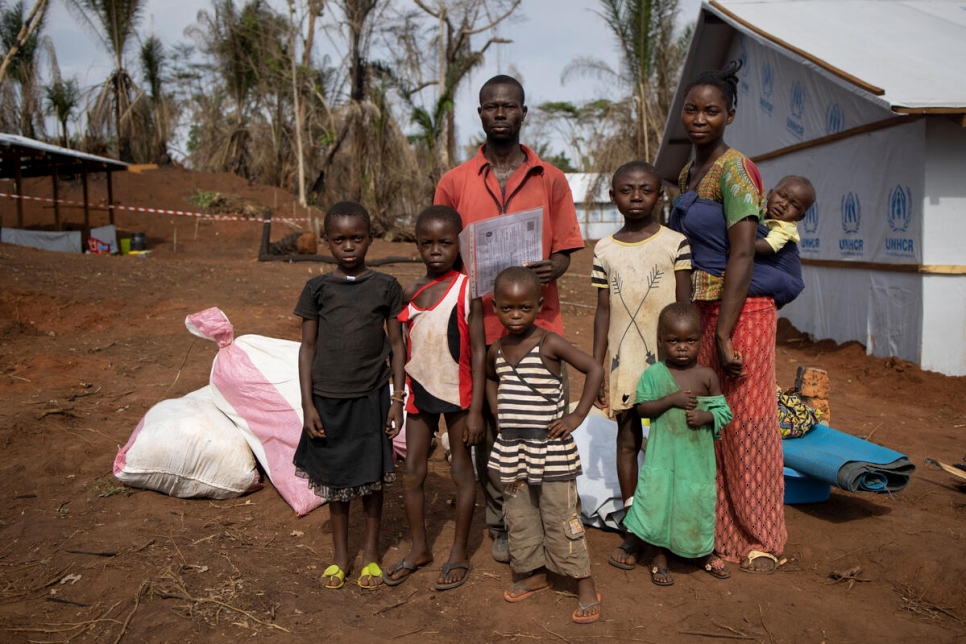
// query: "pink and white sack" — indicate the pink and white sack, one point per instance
point(187, 447)
point(255, 382)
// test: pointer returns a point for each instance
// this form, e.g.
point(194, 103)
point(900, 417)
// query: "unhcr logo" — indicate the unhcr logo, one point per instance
point(900, 209)
point(743, 59)
point(767, 87)
point(810, 245)
point(798, 100)
point(810, 220)
point(899, 218)
point(851, 213)
point(797, 109)
point(851, 219)
point(834, 119)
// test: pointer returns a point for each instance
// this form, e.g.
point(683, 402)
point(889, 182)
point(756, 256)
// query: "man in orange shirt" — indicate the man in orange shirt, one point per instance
point(507, 177)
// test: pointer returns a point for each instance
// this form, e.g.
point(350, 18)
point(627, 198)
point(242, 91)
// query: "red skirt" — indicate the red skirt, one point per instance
point(750, 511)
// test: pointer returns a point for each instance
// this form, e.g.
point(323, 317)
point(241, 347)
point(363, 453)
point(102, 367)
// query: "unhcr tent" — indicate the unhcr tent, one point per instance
point(866, 98)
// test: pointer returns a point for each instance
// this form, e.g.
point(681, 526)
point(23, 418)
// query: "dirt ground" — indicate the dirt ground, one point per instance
point(90, 343)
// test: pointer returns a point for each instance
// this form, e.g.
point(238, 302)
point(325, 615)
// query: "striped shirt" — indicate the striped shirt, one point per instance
point(529, 398)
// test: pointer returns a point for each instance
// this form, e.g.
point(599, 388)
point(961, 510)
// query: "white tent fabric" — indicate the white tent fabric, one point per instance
point(68, 241)
point(911, 49)
point(784, 100)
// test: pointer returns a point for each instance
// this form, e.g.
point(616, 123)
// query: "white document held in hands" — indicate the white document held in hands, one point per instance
point(489, 246)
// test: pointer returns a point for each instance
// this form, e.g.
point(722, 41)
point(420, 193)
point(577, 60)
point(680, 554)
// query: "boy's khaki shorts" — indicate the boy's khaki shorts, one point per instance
point(544, 528)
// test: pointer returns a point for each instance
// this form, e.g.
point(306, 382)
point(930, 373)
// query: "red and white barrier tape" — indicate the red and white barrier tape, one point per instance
point(161, 211)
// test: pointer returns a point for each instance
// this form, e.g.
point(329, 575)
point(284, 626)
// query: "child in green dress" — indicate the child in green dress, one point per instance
point(674, 504)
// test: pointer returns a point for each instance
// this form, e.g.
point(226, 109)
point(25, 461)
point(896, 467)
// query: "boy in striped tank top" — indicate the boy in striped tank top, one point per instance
point(535, 453)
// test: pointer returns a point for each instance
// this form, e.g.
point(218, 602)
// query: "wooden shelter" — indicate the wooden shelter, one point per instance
point(21, 157)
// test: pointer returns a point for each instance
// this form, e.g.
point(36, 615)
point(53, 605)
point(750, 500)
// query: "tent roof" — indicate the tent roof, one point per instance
point(909, 52)
point(903, 54)
point(37, 159)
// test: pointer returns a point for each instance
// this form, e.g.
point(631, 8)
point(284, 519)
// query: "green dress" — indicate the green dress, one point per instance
point(675, 498)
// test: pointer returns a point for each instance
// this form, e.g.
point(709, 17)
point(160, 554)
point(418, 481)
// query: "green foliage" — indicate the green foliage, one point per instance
point(153, 61)
point(108, 486)
point(206, 199)
point(561, 161)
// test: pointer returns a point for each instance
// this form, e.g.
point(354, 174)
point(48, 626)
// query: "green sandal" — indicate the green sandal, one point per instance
point(371, 572)
point(330, 573)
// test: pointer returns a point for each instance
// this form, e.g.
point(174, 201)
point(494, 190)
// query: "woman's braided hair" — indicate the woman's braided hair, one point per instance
point(725, 80)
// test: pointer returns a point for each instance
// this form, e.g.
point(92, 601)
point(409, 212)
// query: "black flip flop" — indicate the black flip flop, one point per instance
point(630, 549)
point(402, 565)
point(448, 568)
point(661, 571)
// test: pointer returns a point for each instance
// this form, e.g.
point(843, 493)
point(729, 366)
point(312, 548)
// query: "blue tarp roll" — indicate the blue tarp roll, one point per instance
point(853, 464)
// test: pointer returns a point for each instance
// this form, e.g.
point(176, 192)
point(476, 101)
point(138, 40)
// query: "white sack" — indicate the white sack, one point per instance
point(598, 488)
point(187, 448)
point(255, 381)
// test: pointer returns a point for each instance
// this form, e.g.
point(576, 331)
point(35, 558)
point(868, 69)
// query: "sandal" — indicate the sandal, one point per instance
point(715, 566)
point(655, 571)
point(748, 563)
point(450, 567)
point(371, 572)
point(528, 592)
point(330, 573)
point(387, 577)
point(580, 615)
point(631, 550)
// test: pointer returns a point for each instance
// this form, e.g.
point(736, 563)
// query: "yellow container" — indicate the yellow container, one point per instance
point(125, 245)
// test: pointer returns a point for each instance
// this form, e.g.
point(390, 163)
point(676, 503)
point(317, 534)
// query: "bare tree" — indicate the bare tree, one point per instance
point(458, 21)
point(24, 34)
point(297, 99)
point(23, 102)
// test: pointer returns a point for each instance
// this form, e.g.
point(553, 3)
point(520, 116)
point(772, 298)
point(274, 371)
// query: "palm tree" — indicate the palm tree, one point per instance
point(63, 97)
point(114, 22)
point(246, 48)
point(158, 107)
point(651, 56)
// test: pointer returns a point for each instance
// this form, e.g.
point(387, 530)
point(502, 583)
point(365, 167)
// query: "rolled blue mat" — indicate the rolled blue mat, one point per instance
point(847, 462)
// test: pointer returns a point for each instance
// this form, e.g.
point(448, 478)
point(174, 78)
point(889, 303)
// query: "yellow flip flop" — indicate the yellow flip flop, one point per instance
point(330, 573)
point(370, 572)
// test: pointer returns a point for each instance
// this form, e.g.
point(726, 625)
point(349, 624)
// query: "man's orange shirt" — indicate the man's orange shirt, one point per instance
point(473, 190)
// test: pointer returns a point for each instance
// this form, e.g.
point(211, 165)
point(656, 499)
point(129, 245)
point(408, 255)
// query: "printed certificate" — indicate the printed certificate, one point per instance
point(489, 246)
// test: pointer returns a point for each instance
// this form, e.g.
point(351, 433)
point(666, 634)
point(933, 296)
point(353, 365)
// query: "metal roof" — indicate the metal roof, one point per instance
point(582, 185)
point(38, 159)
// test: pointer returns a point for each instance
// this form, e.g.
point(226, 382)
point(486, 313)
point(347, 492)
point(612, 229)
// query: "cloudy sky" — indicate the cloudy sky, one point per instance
point(546, 35)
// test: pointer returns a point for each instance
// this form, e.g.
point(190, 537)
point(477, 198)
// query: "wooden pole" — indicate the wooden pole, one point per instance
point(18, 180)
point(87, 210)
point(110, 195)
point(53, 176)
